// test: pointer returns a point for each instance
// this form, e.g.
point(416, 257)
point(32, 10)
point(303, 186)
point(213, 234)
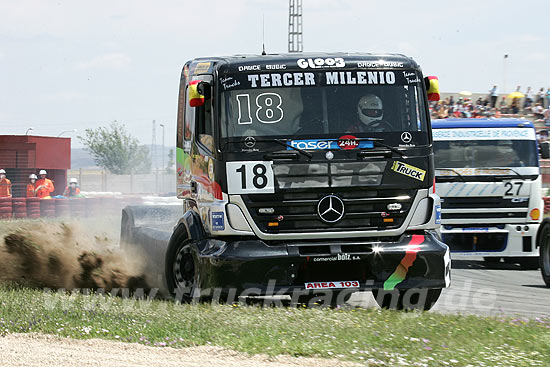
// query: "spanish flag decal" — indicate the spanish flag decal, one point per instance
point(195, 98)
point(433, 89)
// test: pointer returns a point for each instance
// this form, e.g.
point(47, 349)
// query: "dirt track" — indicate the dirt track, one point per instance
point(44, 351)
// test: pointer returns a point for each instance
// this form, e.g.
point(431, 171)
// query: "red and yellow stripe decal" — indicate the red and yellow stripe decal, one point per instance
point(400, 272)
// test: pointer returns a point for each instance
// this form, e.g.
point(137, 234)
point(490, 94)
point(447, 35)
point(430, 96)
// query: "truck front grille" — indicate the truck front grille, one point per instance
point(456, 209)
point(296, 211)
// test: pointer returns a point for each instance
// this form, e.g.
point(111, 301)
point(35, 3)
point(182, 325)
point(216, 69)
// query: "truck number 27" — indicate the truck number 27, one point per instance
point(509, 186)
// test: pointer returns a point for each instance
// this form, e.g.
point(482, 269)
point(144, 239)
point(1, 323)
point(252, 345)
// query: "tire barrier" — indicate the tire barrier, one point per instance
point(34, 208)
point(6, 209)
point(47, 208)
point(62, 207)
point(546, 204)
point(78, 207)
point(19, 208)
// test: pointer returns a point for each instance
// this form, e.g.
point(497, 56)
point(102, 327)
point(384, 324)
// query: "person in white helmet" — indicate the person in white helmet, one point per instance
point(73, 190)
point(5, 185)
point(370, 111)
point(44, 186)
point(31, 190)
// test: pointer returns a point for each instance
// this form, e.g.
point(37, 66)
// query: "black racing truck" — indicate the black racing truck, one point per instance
point(309, 175)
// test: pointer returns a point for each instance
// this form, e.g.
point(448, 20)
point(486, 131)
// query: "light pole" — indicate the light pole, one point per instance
point(29, 129)
point(162, 154)
point(67, 131)
point(504, 73)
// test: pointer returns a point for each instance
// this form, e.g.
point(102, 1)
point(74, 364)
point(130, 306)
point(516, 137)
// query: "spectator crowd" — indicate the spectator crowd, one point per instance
point(525, 103)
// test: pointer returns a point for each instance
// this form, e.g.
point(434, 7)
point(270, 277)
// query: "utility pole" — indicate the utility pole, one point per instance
point(295, 43)
point(162, 166)
point(153, 165)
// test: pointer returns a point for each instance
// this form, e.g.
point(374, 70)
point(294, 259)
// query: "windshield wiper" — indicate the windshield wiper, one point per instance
point(503, 169)
point(378, 141)
point(452, 170)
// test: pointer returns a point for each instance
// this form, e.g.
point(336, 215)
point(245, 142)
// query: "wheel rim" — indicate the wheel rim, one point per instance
point(184, 268)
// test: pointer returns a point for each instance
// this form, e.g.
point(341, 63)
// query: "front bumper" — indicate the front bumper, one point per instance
point(409, 261)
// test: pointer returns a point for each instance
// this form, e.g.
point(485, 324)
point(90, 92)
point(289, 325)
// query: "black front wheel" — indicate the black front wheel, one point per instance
point(180, 267)
point(544, 258)
point(406, 299)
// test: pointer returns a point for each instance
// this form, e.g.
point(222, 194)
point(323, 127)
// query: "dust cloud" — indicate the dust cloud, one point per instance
point(65, 255)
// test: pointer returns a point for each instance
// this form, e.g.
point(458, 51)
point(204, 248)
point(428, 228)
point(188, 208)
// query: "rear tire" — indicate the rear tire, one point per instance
point(544, 258)
point(399, 299)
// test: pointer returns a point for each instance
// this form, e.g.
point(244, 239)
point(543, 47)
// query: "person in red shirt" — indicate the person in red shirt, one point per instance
point(31, 192)
point(5, 185)
point(44, 186)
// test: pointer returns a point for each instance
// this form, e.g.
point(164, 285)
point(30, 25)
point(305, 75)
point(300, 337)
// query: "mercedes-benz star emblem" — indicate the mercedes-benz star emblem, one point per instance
point(330, 209)
point(406, 137)
point(249, 142)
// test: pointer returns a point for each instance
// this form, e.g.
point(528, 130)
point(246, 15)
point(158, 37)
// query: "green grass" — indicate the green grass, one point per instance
point(362, 335)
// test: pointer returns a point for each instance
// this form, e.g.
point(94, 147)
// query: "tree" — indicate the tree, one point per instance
point(170, 161)
point(113, 148)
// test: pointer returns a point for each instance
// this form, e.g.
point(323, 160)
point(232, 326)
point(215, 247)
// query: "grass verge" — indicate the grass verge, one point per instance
point(364, 335)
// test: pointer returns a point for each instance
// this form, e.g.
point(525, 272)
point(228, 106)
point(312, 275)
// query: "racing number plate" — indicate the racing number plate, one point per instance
point(515, 188)
point(250, 177)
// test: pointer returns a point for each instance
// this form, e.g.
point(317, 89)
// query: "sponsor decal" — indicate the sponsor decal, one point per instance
point(348, 142)
point(218, 221)
point(333, 285)
point(276, 67)
point(402, 269)
point(329, 62)
point(438, 214)
point(338, 257)
point(229, 82)
point(379, 64)
point(249, 67)
point(484, 134)
point(408, 170)
point(201, 67)
point(344, 77)
point(316, 144)
point(411, 77)
point(280, 80)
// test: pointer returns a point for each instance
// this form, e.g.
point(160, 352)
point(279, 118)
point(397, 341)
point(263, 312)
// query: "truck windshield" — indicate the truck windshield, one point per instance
point(324, 104)
point(485, 153)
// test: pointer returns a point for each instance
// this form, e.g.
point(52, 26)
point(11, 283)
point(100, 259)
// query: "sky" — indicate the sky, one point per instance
point(72, 64)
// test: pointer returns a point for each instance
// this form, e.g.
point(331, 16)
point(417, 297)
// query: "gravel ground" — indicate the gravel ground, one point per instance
point(46, 350)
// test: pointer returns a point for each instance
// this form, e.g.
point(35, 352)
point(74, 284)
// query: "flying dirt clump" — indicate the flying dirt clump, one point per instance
point(62, 255)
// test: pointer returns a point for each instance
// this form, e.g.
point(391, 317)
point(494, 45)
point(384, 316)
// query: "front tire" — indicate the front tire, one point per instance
point(181, 270)
point(544, 258)
point(401, 299)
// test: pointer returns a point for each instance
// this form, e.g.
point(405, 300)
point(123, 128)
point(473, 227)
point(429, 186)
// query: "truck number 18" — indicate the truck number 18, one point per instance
point(250, 177)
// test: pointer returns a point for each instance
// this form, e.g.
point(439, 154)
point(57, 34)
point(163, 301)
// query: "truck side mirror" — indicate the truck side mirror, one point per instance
point(199, 91)
point(432, 87)
point(545, 150)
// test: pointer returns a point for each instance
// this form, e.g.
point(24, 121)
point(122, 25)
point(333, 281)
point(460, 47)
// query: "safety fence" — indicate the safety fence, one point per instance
point(19, 208)
point(159, 181)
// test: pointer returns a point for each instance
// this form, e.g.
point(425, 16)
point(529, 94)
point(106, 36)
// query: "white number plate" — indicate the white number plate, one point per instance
point(515, 188)
point(250, 177)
